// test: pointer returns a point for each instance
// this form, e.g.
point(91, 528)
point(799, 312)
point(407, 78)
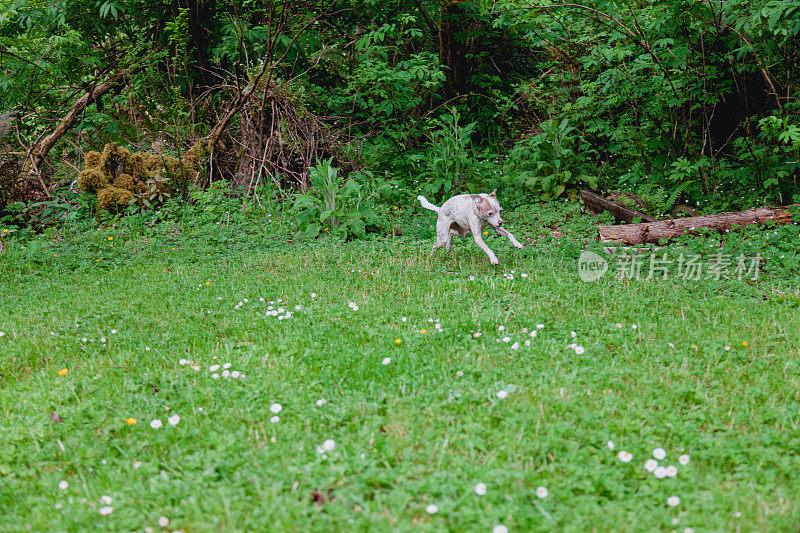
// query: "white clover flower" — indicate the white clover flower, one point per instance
point(579, 350)
point(650, 465)
point(675, 521)
point(502, 394)
point(542, 492)
point(163, 521)
point(105, 511)
point(275, 408)
point(624, 456)
point(105, 499)
point(386, 361)
point(313, 294)
point(673, 501)
point(610, 445)
point(63, 485)
point(174, 420)
point(683, 459)
point(329, 445)
point(275, 419)
point(480, 489)
point(155, 423)
point(659, 453)
point(431, 509)
point(321, 402)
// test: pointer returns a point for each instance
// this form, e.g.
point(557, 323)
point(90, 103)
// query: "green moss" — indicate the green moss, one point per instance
point(92, 180)
point(113, 199)
point(128, 182)
point(92, 160)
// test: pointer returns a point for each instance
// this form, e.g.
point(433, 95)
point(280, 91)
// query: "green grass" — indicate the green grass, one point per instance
point(423, 429)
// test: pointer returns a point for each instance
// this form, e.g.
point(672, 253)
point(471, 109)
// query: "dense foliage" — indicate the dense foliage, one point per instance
point(676, 101)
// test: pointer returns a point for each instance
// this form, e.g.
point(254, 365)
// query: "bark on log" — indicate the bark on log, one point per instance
point(653, 232)
point(598, 204)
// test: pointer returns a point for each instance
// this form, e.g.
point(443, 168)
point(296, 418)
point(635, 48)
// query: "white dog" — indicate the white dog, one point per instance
point(467, 213)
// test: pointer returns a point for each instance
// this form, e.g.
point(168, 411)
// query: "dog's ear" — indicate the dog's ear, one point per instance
point(492, 193)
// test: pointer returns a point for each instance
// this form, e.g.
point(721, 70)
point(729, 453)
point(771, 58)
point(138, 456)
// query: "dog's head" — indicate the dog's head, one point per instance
point(488, 208)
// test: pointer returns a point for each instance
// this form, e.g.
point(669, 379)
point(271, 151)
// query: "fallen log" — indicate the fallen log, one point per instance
point(653, 232)
point(598, 204)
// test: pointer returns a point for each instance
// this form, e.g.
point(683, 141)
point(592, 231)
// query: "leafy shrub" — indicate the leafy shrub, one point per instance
point(551, 163)
point(345, 208)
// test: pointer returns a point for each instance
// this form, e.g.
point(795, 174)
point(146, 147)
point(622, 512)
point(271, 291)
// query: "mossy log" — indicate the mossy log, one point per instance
point(653, 232)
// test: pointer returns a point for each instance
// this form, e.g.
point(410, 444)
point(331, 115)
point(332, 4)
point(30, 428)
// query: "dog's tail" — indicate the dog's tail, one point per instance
point(426, 204)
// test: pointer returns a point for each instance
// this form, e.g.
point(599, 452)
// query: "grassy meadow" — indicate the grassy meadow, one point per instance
point(364, 386)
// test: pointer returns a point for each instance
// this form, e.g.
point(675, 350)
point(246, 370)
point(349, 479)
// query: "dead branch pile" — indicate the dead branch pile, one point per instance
point(277, 139)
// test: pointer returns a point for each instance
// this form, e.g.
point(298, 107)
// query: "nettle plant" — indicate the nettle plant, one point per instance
point(337, 206)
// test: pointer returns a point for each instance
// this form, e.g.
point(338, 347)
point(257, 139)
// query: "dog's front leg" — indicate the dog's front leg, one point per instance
point(507, 234)
point(476, 227)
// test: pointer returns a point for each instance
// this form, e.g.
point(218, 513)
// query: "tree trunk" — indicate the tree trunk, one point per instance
point(453, 50)
point(40, 149)
point(668, 229)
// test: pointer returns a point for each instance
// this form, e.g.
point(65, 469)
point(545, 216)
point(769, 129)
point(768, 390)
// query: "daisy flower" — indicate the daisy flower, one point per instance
point(63, 485)
point(650, 465)
point(683, 459)
point(541, 492)
point(105, 511)
point(431, 509)
point(624, 456)
point(173, 420)
point(499, 528)
point(610, 445)
point(659, 453)
point(321, 402)
point(660, 472)
point(105, 499)
point(386, 361)
point(329, 445)
point(480, 489)
point(673, 501)
point(502, 394)
point(155, 423)
point(672, 471)
point(275, 419)
point(579, 350)
point(163, 521)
